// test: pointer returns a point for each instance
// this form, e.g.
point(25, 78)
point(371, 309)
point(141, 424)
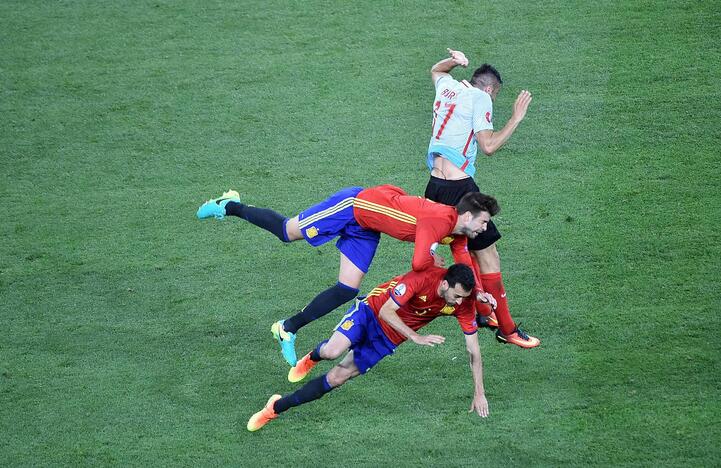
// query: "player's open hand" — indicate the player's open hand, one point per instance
point(459, 58)
point(480, 406)
point(521, 105)
point(428, 340)
point(487, 298)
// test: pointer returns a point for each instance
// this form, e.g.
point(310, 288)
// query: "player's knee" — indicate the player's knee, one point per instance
point(330, 351)
point(338, 376)
point(292, 230)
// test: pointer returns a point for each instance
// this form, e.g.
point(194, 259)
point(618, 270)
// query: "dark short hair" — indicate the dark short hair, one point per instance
point(460, 274)
point(476, 202)
point(486, 75)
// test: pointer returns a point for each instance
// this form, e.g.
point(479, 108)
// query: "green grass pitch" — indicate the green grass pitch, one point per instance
point(133, 334)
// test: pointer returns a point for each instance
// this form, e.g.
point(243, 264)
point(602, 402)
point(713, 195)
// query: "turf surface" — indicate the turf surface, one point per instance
point(135, 334)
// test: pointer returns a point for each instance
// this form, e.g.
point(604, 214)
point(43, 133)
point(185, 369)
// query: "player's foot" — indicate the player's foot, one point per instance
point(518, 338)
point(264, 416)
point(216, 207)
point(287, 342)
point(303, 368)
point(487, 321)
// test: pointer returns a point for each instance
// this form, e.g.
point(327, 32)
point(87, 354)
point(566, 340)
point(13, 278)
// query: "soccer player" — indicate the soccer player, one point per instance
point(357, 216)
point(372, 329)
point(463, 122)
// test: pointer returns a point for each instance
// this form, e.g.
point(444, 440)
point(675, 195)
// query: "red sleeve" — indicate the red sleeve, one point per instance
point(406, 288)
point(466, 317)
point(459, 249)
point(429, 231)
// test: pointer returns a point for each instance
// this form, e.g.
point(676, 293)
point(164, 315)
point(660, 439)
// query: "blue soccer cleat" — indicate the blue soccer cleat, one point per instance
point(216, 207)
point(287, 342)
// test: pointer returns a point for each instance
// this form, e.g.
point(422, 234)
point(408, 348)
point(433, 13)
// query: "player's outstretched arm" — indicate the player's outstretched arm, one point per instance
point(390, 316)
point(479, 405)
point(489, 141)
point(457, 58)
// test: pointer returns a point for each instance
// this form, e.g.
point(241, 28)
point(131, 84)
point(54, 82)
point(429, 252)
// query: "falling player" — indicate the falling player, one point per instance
point(357, 216)
point(371, 330)
point(462, 123)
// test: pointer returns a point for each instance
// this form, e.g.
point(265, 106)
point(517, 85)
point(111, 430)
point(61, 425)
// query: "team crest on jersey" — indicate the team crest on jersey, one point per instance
point(347, 325)
point(399, 290)
point(311, 232)
point(448, 310)
point(488, 117)
point(447, 240)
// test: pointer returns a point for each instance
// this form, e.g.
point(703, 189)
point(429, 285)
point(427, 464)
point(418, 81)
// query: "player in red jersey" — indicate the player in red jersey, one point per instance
point(391, 314)
point(357, 216)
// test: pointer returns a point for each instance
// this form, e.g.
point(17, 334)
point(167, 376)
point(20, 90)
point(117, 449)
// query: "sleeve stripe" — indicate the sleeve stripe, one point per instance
point(394, 300)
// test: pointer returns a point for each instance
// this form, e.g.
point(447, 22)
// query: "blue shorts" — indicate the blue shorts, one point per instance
point(333, 218)
point(368, 342)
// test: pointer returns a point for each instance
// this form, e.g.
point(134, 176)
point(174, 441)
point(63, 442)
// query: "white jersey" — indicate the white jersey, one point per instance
point(459, 112)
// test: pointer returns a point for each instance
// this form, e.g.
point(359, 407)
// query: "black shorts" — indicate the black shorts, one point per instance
point(450, 192)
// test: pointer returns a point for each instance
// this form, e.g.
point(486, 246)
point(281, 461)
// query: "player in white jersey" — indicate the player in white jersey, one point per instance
point(462, 123)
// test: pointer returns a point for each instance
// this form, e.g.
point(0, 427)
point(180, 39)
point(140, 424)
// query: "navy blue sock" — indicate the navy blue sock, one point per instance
point(315, 354)
point(313, 390)
point(323, 303)
point(262, 217)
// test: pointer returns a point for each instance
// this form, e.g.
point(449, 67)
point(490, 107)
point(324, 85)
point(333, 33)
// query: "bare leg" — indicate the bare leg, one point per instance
point(488, 259)
point(343, 372)
point(292, 229)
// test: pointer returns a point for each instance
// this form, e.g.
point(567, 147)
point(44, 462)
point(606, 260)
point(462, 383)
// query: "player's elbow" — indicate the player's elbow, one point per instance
point(419, 265)
point(485, 144)
point(488, 150)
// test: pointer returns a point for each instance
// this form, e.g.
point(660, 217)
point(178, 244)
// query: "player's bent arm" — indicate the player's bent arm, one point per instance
point(479, 404)
point(441, 69)
point(459, 249)
point(446, 65)
point(423, 250)
point(489, 141)
point(422, 258)
point(389, 315)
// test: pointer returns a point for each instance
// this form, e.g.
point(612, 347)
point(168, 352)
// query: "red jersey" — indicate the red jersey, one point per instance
point(417, 295)
point(390, 210)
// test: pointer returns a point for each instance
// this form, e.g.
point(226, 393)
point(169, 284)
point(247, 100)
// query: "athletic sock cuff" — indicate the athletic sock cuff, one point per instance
point(345, 286)
point(315, 354)
point(326, 385)
point(285, 231)
point(491, 276)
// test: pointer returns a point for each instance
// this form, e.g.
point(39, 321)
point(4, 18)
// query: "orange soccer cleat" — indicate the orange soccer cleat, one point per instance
point(264, 416)
point(303, 368)
point(487, 321)
point(518, 338)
